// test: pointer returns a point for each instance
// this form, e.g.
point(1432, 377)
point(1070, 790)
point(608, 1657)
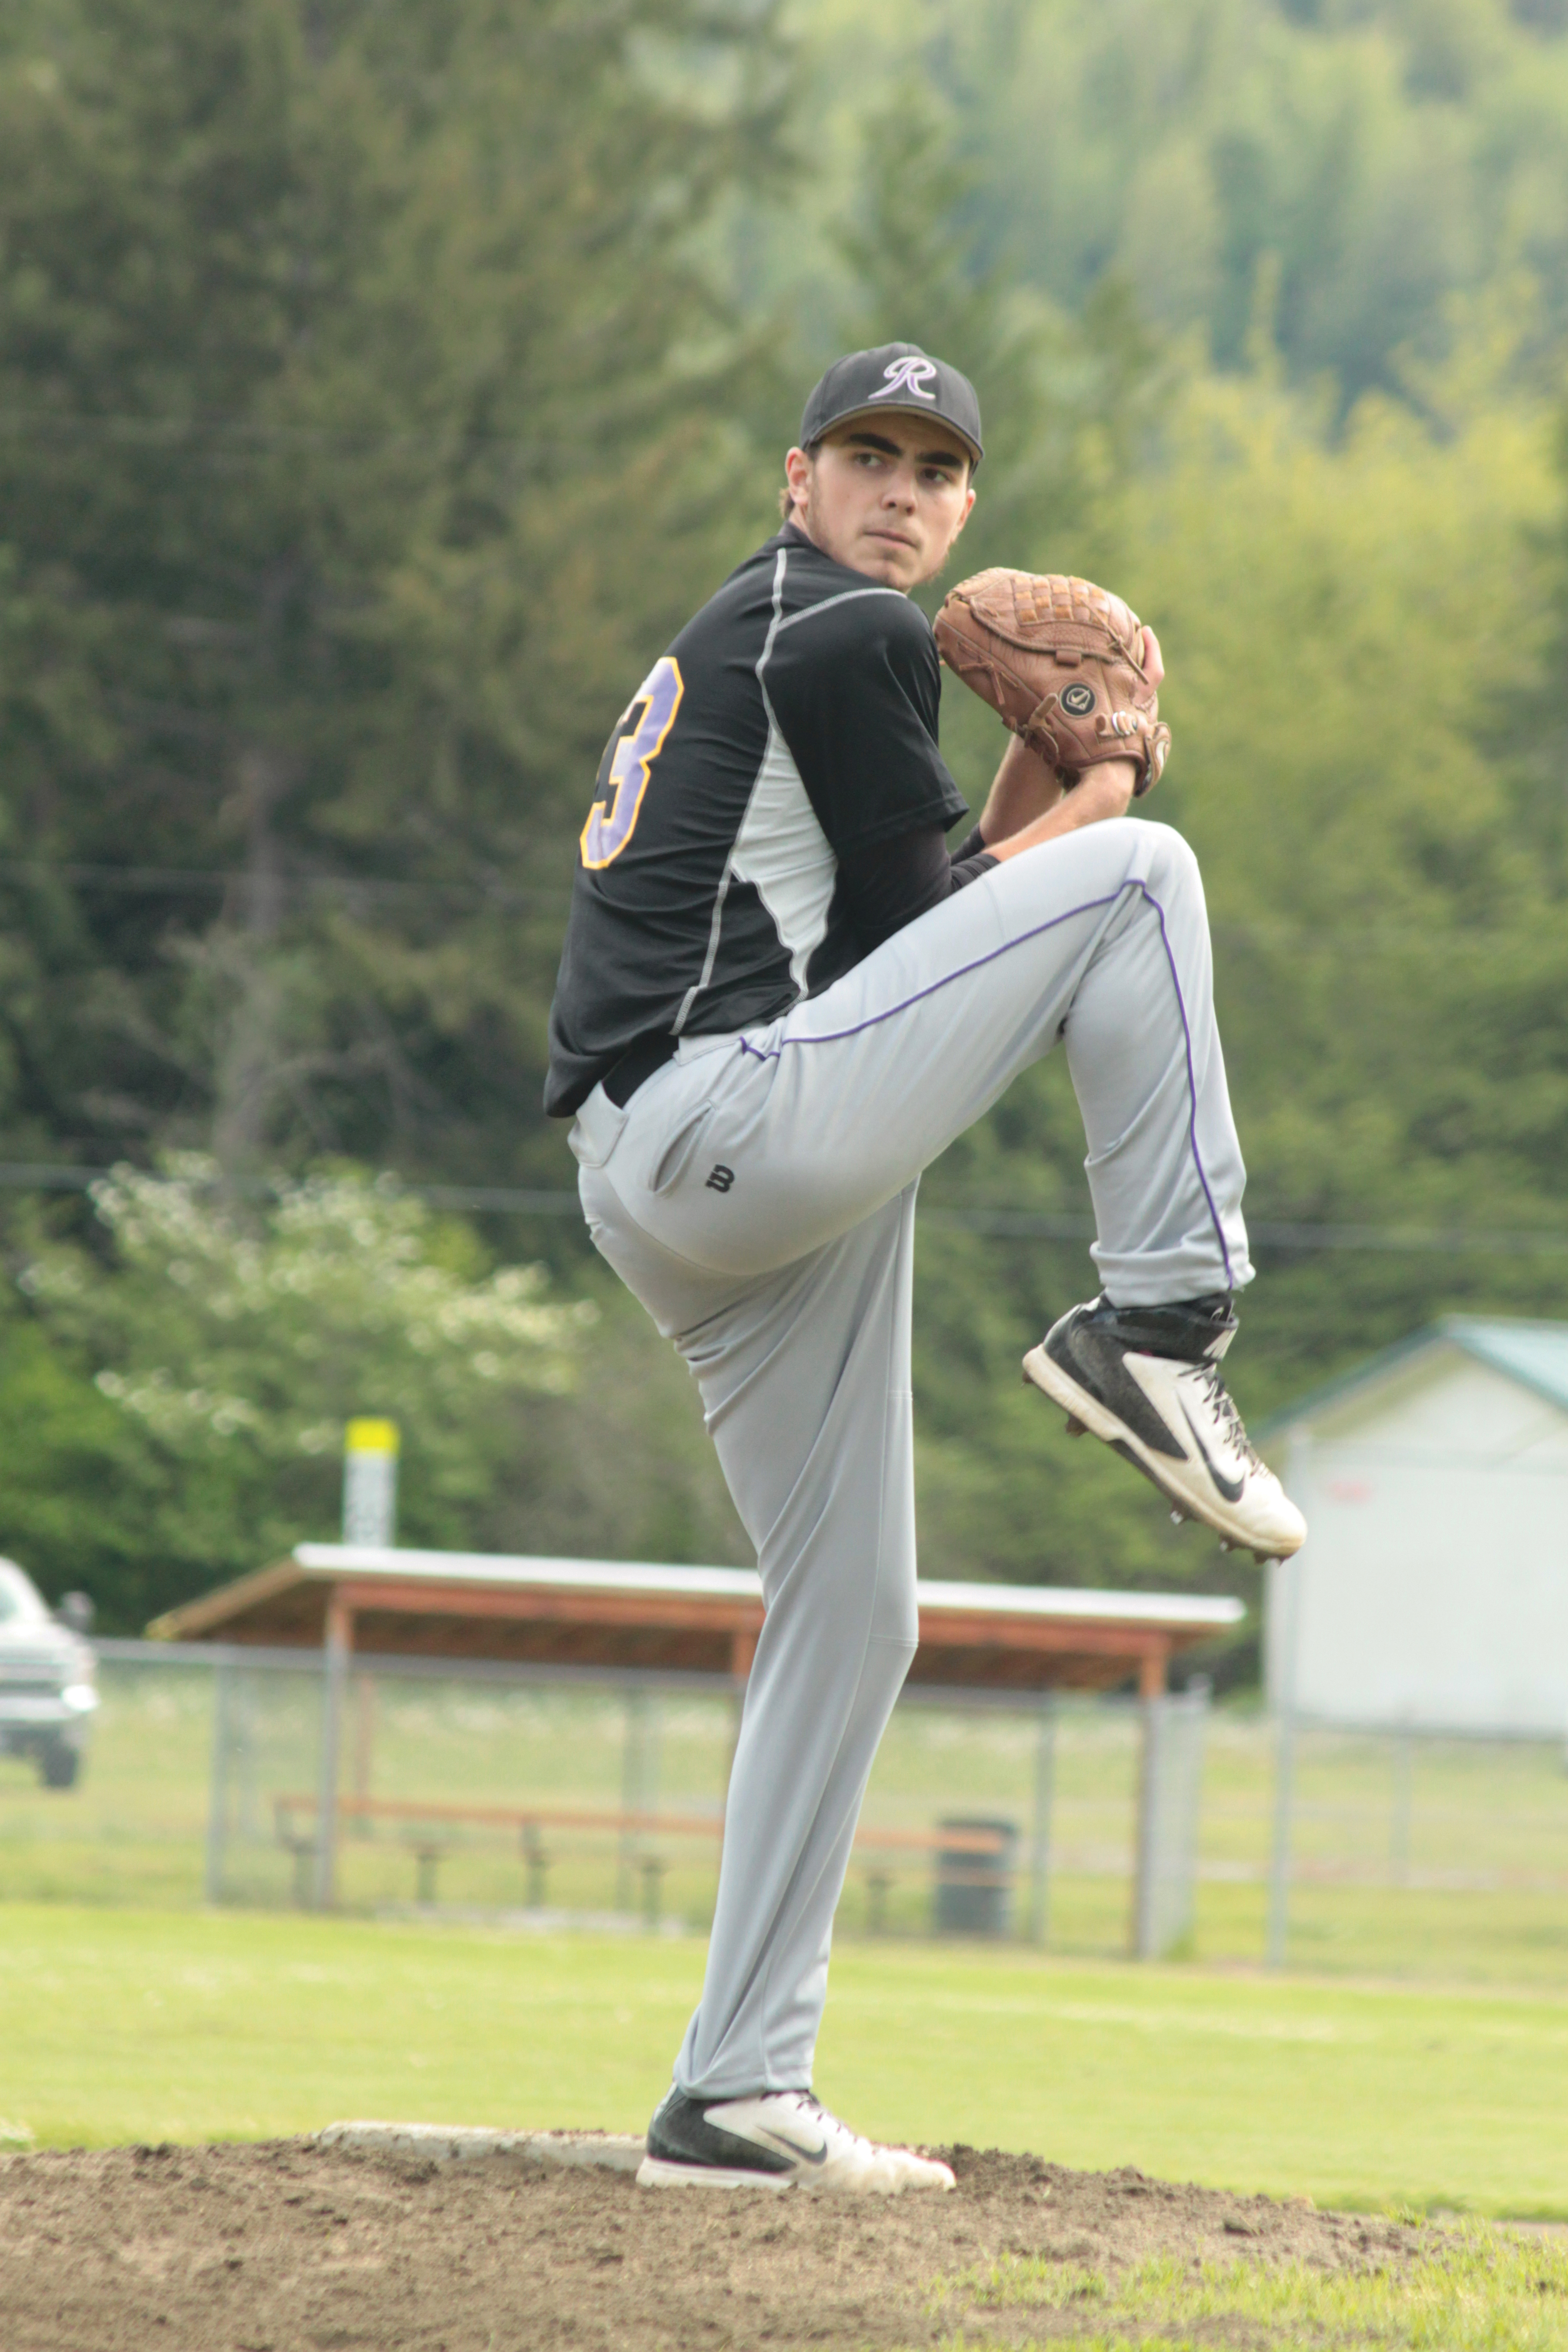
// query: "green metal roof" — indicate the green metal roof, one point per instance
point(1533, 1354)
point(1536, 1354)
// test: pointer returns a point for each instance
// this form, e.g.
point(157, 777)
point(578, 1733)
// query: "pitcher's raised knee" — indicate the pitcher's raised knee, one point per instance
point(1165, 862)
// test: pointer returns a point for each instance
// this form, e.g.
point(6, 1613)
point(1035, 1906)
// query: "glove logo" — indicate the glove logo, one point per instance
point(911, 375)
point(1078, 699)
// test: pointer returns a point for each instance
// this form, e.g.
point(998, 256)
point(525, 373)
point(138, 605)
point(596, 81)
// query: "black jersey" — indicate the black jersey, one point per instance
point(792, 724)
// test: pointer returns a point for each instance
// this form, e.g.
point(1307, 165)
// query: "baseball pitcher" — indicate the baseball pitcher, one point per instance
point(780, 997)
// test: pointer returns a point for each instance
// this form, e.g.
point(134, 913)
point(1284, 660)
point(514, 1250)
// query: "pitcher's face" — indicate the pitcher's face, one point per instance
point(884, 494)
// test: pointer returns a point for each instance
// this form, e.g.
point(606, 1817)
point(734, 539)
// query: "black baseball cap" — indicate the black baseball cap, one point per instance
point(895, 375)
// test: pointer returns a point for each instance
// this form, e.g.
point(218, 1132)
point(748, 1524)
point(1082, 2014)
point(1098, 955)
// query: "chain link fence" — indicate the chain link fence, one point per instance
point(540, 1797)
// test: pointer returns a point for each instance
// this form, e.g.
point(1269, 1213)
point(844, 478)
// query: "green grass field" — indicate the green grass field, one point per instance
point(1418, 2066)
point(1485, 2293)
point(133, 2025)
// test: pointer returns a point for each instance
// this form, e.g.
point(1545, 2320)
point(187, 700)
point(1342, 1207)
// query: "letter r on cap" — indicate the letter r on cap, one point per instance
point(910, 375)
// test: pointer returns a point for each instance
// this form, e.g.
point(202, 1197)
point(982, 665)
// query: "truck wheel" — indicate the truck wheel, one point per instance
point(58, 1766)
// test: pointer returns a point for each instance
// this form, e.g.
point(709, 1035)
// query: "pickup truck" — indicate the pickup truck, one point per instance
point(49, 1678)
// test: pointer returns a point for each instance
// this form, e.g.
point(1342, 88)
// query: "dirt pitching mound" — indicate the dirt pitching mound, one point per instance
point(288, 2247)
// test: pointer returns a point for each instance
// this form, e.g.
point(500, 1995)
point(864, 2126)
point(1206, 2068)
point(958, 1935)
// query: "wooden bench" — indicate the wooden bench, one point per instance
point(428, 1853)
point(433, 1837)
point(302, 1846)
point(879, 1850)
point(882, 1849)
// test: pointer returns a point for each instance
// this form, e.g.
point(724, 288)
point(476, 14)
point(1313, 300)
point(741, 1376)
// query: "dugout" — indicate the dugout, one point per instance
point(1004, 1643)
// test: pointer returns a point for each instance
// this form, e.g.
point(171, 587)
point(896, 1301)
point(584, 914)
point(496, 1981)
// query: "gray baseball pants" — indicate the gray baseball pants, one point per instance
point(757, 1194)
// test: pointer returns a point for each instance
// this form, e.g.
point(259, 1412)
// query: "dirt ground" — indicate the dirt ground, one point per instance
point(289, 2248)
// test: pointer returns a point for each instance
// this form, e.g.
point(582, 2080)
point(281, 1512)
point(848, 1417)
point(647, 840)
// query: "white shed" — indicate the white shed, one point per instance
point(1432, 1591)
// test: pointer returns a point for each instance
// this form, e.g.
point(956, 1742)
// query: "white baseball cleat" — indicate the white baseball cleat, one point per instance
point(775, 2139)
point(1147, 1380)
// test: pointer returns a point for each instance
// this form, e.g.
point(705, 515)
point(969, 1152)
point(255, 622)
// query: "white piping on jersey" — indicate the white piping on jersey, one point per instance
point(706, 974)
point(845, 596)
point(781, 851)
point(780, 848)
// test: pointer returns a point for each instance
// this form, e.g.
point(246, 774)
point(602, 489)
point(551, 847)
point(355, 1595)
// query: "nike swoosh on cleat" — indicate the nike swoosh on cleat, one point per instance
point(806, 2155)
point(1229, 1487)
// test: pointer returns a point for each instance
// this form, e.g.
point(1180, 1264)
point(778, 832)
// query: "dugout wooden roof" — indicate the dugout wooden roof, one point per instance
point(705, 1620)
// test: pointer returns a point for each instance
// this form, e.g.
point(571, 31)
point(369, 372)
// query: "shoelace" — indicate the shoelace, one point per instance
point(1231, 1427)
point(812, 2106)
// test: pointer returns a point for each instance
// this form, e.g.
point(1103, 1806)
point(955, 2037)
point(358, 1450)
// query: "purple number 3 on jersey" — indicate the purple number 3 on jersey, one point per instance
point(635, 748)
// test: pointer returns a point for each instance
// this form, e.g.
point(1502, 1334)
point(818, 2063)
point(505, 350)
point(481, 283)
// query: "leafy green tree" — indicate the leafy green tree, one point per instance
point(383, 382)
point(174, 1392)
point(1353, 612)
point(358, 370)
point(1066, 404)
point(1347, 171)
point(232, 1343)
point(1353, 621)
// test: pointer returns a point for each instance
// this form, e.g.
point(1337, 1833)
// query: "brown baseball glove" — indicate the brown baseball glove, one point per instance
point(1062, 661)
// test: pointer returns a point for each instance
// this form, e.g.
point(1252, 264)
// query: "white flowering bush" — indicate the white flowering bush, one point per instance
point(272, 1321)
point(233, 1337)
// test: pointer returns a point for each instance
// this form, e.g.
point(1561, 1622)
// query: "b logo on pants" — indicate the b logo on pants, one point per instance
point(721, 1177)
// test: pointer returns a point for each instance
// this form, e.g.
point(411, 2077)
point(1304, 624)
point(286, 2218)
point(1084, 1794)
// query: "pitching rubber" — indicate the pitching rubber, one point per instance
point(471, 2143)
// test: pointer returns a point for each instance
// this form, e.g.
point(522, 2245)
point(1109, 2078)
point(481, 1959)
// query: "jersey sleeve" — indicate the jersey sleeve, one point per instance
point(854, 687)
point(893, 882)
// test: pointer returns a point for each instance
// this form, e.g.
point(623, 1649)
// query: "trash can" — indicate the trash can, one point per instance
point(975, 1866)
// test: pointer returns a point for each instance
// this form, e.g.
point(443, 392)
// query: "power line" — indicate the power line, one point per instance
point(43, 1176)
point(200, 880)
point(1458, 1240)
point(33, 1176)
point(996, 1224)
point(207, 880)
point(238, 436)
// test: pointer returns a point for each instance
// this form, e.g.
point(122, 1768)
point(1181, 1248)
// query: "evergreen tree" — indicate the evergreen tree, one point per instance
point(358, 376)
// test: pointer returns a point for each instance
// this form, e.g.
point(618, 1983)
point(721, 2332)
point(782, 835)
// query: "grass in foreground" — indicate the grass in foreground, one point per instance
point(1489, 2293)
point(123, 2026)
